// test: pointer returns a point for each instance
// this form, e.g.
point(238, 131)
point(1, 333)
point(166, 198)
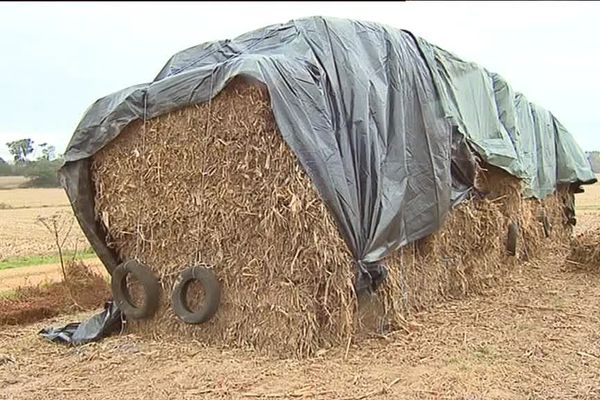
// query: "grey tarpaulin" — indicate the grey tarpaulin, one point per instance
point(94, 328)
point(504, 128)
point(386, 125)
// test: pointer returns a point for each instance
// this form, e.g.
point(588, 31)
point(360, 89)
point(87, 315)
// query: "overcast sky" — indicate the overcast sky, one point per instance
point(58, 58)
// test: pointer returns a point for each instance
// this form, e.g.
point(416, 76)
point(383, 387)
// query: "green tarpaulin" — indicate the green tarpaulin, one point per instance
point(504, 128)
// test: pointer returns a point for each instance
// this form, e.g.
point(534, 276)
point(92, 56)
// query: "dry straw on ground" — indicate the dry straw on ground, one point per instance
point(81, 289)
point(215, 183)
point(585, 249)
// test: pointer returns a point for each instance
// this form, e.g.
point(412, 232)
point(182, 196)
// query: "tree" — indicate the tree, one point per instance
point(20, 149)
point(42, 172)
point(5, 168)
point(48, 152)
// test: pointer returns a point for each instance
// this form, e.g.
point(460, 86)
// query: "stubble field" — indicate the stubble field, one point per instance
point(21, 232)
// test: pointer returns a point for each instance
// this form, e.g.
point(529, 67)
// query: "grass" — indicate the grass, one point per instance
point(18, 262)
point(9, 295)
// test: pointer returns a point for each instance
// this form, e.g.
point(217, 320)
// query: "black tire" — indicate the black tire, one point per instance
point(511, 242)
point(121, 294)
point(212, 295)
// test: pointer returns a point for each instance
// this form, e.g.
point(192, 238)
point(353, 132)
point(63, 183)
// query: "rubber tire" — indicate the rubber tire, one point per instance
point(212, 295)
point(511, 242)
point(546, 225)
point(121, 293)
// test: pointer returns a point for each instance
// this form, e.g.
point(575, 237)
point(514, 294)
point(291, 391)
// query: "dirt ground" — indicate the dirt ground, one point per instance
point(537, 336)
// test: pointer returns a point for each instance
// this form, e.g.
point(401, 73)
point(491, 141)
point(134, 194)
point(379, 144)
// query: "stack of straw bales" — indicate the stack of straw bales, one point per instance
point(215, 183)
point(468, 254)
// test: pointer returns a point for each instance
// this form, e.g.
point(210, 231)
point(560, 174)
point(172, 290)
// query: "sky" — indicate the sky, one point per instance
point(58, 58)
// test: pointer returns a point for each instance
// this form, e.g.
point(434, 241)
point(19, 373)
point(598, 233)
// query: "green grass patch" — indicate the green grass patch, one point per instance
point(9, 295)
point(42, 260)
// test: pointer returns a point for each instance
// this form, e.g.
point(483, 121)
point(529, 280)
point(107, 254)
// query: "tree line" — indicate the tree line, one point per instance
point(42, 171)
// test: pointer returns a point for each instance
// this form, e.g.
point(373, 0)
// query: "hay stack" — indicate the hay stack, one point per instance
point(215, 183)
point(468, 254)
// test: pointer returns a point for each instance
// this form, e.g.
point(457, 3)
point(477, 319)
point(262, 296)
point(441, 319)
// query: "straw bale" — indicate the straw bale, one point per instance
point(215, 183)
point(468, 254)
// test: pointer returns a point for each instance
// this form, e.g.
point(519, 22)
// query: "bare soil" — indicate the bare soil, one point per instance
point(537, 336)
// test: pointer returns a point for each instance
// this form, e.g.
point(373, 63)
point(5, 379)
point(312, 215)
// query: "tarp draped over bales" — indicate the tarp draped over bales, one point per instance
point(504, 128)
point(383, 123)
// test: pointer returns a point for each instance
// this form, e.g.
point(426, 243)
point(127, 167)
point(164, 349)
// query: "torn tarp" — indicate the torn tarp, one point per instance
point(95, 328)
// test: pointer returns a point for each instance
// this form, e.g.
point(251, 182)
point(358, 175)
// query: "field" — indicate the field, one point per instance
point(588, 208)
point(588, 201)
point(11, 182)
point(535, 336)
point(21, 234)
